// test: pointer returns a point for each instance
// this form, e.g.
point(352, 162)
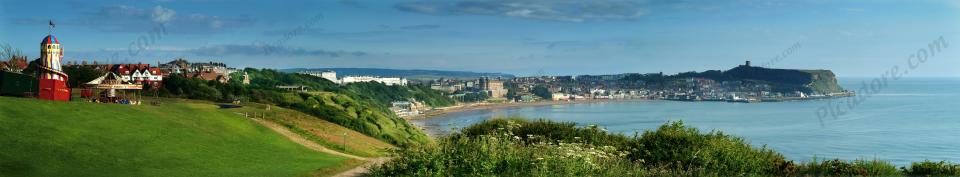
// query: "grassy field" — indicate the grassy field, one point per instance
point(178, 138)
point(320, 131)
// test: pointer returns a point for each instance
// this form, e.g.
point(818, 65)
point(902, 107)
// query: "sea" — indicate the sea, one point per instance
point(906, 120)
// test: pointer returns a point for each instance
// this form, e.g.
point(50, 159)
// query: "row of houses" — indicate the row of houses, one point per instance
point(332, 76)
point(145, 74)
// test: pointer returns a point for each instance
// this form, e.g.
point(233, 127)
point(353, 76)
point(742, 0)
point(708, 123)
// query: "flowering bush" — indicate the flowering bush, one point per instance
point(507, 154)
point(515, 147)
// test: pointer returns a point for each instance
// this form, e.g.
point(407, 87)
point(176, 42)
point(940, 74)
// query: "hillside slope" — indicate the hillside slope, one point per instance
point(45, 138)
point(319, 131)
point(362, 107)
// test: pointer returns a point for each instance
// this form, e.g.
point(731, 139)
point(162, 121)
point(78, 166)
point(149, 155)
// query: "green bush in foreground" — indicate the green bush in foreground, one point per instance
point(930, 168)
point(685, 148)
point(672, 146)
point(505, 154)
point(516, 147)
point(858, 167)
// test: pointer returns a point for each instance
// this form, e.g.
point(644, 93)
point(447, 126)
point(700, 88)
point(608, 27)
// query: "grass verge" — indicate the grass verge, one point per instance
point(177, 138)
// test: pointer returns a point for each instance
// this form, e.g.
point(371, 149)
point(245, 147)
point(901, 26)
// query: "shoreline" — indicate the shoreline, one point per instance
point(485, 106)
point(435, 132)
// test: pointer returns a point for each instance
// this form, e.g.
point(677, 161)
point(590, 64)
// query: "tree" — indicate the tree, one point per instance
point(9, 52)
point(81, 74)
point(542, 92)
point(475, 96)
point(511, 90)
point(32, 68)
point(511, 93)
point(16, 61)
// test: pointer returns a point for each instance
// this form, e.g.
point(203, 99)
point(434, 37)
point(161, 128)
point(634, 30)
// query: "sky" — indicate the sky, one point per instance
point(854, 38)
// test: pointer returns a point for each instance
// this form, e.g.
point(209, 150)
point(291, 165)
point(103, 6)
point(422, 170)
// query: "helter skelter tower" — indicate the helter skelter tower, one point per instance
point(53, 81)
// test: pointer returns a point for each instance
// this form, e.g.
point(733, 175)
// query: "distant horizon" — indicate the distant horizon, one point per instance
point(516, 75)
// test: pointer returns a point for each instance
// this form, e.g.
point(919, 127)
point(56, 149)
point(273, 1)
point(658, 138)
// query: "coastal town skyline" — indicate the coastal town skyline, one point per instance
point(524, 38)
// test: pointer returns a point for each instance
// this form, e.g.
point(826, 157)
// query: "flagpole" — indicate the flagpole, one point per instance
point(50, 27)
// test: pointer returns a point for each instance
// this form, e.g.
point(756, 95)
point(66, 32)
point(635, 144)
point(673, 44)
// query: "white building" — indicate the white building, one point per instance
point(329, 75)
point(143, 75)
point(384, 80)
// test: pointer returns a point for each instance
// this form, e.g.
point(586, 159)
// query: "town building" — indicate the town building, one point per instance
point(384, 80)
point(328, 74)
point(408, 108)
point(206, 71)
point(139, 74)
point(332, 76)
point(246, 78)
point(16, 64)
point(294, 88)
point(495, 88)
point(177, 67)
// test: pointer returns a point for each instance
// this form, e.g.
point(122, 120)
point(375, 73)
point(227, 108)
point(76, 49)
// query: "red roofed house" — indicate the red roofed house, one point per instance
point(139, 74)
point(212, 76)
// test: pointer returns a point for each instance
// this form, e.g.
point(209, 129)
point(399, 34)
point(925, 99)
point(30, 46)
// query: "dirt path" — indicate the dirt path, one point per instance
point(301, 140)
point(363, 169)
point(360, 170)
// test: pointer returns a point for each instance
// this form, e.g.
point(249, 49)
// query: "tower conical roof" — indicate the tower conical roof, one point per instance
point(50, 39)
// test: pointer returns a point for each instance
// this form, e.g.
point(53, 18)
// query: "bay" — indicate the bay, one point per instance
point(909, 120)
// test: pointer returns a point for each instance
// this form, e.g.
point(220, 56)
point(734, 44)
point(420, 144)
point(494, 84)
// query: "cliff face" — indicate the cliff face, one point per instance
point(824, 82)
point(788, 80)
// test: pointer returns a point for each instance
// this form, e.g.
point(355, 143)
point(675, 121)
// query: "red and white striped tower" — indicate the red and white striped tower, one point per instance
point(53, 81)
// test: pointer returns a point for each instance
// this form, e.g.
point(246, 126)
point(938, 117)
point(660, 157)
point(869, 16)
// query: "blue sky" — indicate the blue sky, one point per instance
point(524, 37)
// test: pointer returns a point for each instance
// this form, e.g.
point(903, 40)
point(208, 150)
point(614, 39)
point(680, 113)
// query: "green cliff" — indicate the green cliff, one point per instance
point(788, 80)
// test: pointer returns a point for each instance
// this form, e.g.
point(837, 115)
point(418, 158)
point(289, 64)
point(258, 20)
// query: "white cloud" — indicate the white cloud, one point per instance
point(124, 18)
point(162, 15)
point(555, 10)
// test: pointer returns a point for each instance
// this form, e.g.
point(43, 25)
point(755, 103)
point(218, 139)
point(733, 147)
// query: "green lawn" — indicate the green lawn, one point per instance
point(178, 138)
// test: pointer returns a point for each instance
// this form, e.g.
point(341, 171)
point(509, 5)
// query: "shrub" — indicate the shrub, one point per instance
point(552, 131)
point(930, 168)
point(671, 150)
point(859, 167)
point(676, 146)
point(503, 153)
point(507, 147)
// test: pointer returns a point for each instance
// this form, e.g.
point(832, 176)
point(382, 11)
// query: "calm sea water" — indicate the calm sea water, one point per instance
point(910, 120)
